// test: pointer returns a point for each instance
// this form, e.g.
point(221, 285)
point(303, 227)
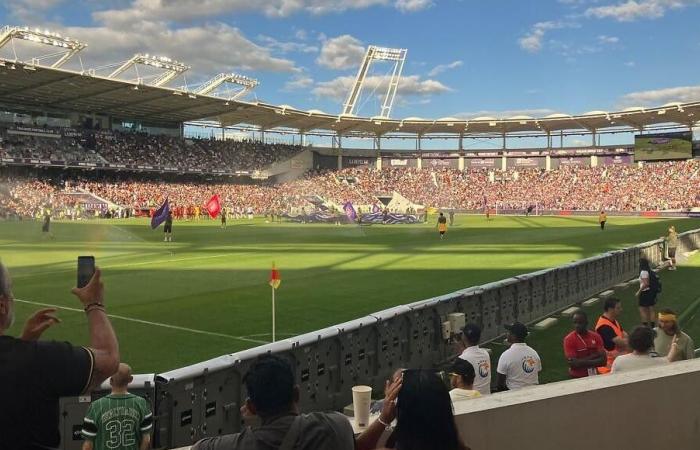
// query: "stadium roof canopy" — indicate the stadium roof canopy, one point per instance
point(34, 87)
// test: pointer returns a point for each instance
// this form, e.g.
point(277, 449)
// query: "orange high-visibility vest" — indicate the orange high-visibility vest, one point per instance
point(610, 354)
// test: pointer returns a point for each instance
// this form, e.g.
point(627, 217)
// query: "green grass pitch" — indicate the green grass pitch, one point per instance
point(206, 293)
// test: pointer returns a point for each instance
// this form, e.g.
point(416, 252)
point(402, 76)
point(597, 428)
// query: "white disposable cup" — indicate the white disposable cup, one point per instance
point(361, 398)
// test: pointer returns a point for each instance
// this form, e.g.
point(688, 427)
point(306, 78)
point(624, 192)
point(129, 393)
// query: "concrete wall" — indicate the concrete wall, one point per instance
point(292, 168)
point(656, 409)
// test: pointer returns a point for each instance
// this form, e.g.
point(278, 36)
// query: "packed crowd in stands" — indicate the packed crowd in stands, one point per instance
point(653, 186)
point(146, 150)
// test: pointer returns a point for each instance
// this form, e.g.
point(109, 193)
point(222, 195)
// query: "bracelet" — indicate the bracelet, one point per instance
point(379, 419)
point(95, 305)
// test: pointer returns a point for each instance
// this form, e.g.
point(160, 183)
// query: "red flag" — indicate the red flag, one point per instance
point(214, 206)
point(275, 278)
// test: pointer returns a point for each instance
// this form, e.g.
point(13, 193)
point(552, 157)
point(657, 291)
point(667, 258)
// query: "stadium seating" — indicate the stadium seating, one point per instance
point(663, 186)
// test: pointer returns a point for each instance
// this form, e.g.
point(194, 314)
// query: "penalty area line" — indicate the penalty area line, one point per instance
point(146, 322)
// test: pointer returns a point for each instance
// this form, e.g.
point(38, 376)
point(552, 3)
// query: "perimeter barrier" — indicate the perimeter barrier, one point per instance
point(204, 399)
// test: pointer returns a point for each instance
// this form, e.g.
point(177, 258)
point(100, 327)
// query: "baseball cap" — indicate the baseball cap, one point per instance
point(518, 329)
point(472, 332)
point(462, 368)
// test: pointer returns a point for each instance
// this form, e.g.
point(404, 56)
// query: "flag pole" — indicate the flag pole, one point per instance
point(273, 313)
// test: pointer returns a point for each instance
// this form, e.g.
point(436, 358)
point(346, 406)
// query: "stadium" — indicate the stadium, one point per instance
point(349, 262)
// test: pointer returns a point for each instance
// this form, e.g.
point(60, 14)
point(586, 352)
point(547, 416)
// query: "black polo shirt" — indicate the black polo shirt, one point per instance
point(33, 375)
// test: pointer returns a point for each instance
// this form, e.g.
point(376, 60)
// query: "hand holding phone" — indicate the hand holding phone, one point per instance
point(86, 269)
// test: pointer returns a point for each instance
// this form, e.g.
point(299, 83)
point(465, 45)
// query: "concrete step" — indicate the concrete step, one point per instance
point(591, 301)
point(544, 324)
point(568, 312)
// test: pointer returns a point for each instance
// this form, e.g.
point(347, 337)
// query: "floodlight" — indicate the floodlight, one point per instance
point(374, 53)
point(171, 68)
point(45, 37)
point(246, 83)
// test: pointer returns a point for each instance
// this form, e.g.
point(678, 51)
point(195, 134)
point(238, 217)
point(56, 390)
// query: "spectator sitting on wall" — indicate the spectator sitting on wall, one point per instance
point(462, 381)
point(614, 336)
point(122, 410)
point(424, 417)
point(478, 357)
point(583, 348)
point(668, 331)
point(641, 341)
point(520, 365)
point(34, 374)
point(273, 396)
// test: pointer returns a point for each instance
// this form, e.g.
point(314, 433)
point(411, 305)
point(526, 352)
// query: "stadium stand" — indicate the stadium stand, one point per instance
point(114, 147)
point(661, 186)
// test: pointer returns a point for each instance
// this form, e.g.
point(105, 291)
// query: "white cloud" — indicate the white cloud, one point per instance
point(187, 10)
point(411, 85)
point(412, 5)
point(603, 39)
point(287, 47)
point(532, 41)
point(503, 114)
point(209, 48)
point(444, 67)
point(632, 10)
point(659, 97)
point(342, 52)
point(25, 10)
point(630, 64)
point(298, 83)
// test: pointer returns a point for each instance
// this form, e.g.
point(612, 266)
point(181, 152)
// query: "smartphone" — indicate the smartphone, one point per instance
point(86, 269)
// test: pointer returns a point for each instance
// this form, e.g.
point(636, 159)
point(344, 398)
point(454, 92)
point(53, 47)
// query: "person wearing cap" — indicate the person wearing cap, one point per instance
point(667, 331)
point(478, 357)
point(462, 381)
point(583, 348)
point(520, 365)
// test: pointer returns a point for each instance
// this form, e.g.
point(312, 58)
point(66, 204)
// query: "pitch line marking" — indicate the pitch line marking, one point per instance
point(146, 322)
point(116, 266)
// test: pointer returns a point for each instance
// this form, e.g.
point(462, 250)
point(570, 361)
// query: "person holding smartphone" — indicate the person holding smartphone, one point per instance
point(34, 374)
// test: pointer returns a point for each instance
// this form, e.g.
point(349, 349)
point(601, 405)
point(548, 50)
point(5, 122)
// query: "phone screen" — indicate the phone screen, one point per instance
point(86, 269)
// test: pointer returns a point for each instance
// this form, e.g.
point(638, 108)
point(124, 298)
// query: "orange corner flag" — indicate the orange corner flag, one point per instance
point(275, 278)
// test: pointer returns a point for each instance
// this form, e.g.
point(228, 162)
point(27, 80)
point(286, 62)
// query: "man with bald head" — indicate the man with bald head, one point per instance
point(119, 421)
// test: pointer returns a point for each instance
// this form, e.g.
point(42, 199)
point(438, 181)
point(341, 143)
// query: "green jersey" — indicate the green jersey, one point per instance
point(117, 422)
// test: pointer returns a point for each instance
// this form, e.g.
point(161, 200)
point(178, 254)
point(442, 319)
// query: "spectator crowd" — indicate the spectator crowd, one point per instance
point(141, 149)
point(673, 185)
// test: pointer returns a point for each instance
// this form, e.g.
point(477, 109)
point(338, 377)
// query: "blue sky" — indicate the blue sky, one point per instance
point(465, 57)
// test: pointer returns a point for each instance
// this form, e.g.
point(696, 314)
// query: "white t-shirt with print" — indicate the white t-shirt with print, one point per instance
point(521, 365)
point(481, 360)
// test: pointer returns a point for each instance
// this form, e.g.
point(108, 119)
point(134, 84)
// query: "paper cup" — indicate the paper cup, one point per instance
point(361, 398)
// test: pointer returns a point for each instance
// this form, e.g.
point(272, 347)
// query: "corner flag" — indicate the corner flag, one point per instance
point(160, 214)
point(275, 278)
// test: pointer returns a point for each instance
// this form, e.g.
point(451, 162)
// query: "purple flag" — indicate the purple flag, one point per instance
point(350, 211)
point(160, 214)
point(375, 208)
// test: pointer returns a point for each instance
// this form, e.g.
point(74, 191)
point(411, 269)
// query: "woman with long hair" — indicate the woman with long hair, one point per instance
point(424, 418)
point(647, 293)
